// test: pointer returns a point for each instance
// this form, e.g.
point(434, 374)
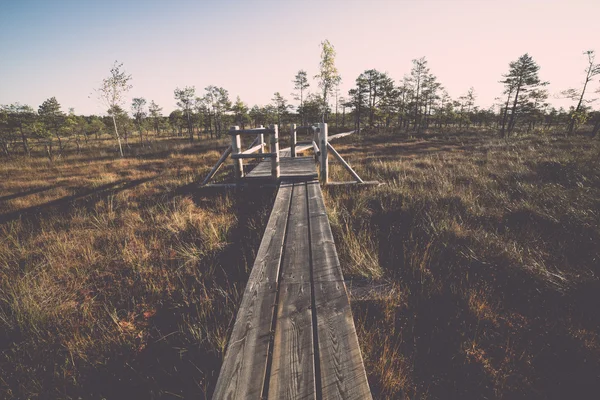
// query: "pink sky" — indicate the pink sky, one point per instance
point(254, 48)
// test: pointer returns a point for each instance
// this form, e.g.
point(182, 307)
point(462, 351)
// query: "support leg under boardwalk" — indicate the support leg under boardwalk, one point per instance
point(294, 336)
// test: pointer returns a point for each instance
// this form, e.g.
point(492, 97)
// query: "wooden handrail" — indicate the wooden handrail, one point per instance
point(250, 131)
point(258, 155)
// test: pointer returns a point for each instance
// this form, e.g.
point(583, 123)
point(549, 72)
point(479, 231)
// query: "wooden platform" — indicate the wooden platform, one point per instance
point(294, 336)
point(292, 169)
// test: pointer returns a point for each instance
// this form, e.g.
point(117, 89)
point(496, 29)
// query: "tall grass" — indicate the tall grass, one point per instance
point(488, 253)
point(473, 269)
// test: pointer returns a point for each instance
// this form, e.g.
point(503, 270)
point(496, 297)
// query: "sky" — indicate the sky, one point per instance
point(64, 48)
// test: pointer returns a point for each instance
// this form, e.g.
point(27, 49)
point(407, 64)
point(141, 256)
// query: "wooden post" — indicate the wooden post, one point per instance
point(293, 145)
point(323, 147)
point(236, 148)
point(262, 141)
point(275, 171)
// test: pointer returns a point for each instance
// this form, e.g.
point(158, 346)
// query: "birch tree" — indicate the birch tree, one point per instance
point(112, 94)
point(328, 75)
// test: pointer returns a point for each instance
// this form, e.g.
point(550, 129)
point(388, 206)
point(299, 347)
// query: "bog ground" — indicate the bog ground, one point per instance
point(473, 271)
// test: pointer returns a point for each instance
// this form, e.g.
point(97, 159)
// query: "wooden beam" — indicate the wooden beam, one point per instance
point(323, 141)
point(214, 170)
point(340, 135)
point(252, 149)
point(316, 149)
point(355, 183)
point(250, 131)
point(258, 155)
point(293, 139)
point(344, 163)
point(275, 169)
point(236, 147)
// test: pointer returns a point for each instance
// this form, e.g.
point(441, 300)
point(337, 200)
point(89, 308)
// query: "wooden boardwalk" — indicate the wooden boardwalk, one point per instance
point(297, 168)
point(294, 336)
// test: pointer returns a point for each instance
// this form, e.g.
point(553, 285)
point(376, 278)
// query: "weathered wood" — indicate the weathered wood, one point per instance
point(244, 367)
point(261, 139)
point(344, 163)
point(355, 183)
point(292, 371)
point(275, 169)
point(258, 155)
point(340, 135)
point(243, 372)
point(293, 139)
point(316, 149)
point(296, 263)
point(325, 262)
point(253, 148)
point(324, 172)
point(341, 365)
point(214, 170)
point(342, 370)
point(297, 286)
point(269, 252)
point(250, 131)
point(236, 148)
point(290, 169)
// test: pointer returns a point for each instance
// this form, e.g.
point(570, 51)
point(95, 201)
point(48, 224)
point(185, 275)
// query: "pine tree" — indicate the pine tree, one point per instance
point(521, 79)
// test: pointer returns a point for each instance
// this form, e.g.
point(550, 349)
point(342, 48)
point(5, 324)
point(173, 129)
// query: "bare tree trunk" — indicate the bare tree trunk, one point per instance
point(117, 134)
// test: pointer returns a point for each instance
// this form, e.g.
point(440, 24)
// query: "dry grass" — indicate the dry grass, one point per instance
point(487, 256)
point(119, 278)
point(474, 270)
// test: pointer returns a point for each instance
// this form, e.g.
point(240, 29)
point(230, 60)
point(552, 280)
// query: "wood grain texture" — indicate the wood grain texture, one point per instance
point(244, 367)
point(297, 168)
point(342, 371)
point(292, 372)
point(268, 258)
point(325, 262)
point(296, 262)
point(243, 372)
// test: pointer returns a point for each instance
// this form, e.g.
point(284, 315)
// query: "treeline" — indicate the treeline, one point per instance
point(415, 104)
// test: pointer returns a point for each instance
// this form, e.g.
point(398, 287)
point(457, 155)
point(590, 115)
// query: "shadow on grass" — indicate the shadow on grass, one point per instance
point(28, 193)
point(67, 203)
point(178, 363)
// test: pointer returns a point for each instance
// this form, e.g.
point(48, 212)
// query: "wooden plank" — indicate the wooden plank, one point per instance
point(244, 367)
point(292, 371)
point(342, 370)
point(290, 168)
point(342, 373)
point(325, 262)
point(296, 262)
point(243, 372)
point(268, 258)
